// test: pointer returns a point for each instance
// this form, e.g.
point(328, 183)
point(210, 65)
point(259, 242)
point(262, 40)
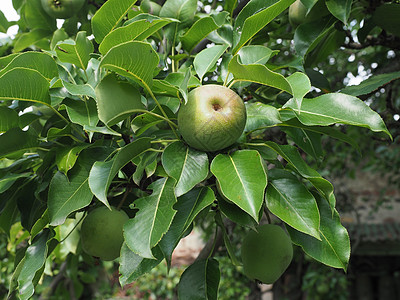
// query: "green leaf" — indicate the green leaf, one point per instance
point(79, 89)
point(132, 266)
point(183, 85)
point(188, 207)
point(206, 59)
point(309, 3)
point(288, 199)
point(162, 87)
point(142, 122)
point(223, 35)
point(67, 156)
point(66, 131)
point(295, 162)
point(35, 257)
point(307, 140)
point(329, 131)
point(39, 61)
point(75, 52)
point(103, 172)
point(230, 6)
point(227, 242)
point(24, 85)
point(186, 165)
point(334, 248)
point(16, 140)
point(329, 43)
point(146, 160)
point(251, 8)
point(301, 85)
point(256, 54)
point(8, 119)
point(102, 130)
point(82, 112)
point(259, 74)
point(199, 30)
point(183, 80)
point(153, 219)
point(236, 214)
point(308, 35)
point(334, 108)
point(200, 281)
point(340, 9)
point(30, 38)
point(68, 194)
point(58, 36)
point(387, 17)
point(371, 84)
point(135, 60)
point(9, 179)
point(5, 60)
point(259, 20)
point(137, 30)
point(8, 216)
point(116, 100)
point(34, 16)
point(109, 16)
point(40, 224)
point(260, 115)
point(4, 24)
point(182, 10)
point(242, 179)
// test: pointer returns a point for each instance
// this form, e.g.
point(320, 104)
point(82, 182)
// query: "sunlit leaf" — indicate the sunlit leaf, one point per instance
point(290, 200)
point(334, 108)
point(103, 172)
point(116, 100)
point(153, 219)
point(109, 16)
point(76, 51)
point(242, 179)
point(188, 166)
point(200, 280)
point(136, 60)
point(258, 73)
point(334, 248)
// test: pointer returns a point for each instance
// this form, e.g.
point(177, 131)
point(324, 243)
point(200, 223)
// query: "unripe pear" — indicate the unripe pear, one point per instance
point(297, 13)
point(102, 232)
point(267, 253)
point(213, 118)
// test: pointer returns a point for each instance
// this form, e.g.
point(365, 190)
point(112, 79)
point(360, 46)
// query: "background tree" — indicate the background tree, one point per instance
point(89, 118)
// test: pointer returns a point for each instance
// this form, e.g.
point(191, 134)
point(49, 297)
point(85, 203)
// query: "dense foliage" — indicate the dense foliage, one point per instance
point(88, 116)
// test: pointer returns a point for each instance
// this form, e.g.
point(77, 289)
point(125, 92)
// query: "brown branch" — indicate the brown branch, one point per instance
point(383, 39)
point(53, 285)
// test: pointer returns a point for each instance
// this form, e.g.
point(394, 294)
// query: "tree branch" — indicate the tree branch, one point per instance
point(383, 39)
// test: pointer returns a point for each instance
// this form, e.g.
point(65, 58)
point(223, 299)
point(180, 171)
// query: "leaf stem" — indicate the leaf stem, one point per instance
point(232, 83)
point(155, 150)
point(267, 214)
point(163, 112)
point(214, 243)
point(226, 79)
point(164, 141)
point(127, 191)
point(76, 225)
point(165, 118)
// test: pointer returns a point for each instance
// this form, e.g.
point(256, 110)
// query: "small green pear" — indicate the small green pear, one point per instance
point(297, 13)
point(102, 232)
point(267, 253)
